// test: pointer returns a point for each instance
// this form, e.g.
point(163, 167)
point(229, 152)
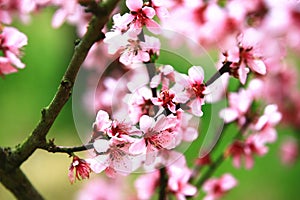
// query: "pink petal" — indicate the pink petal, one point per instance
point(236, 161)
point(149, 12)
point(134, 5)
point(196, 73)
point(102, 120)
point(143, 56)
point(122, 164)
point(97, 167)
point(269, 134)
point(153, 26)
point(146, 123)
point(138, 147)
point(6, 67)
point(228, 182)
point(58, 18)
point(196, 105)
point(155, 81)
point(258, 66)
point(249, 161)
point(189, 190)
point(209, 185)
point(229, 115)
point(243, 71)
point(101, 145)
point(190, 134)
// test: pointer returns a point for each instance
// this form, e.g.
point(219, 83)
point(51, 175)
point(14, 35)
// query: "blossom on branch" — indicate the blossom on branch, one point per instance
point(80, 168)
point(132, 49)
point(216, 188)
point(140, 16)
point(11, 42)
point(194, 89)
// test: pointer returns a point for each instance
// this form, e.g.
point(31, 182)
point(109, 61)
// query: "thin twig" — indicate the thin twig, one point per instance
point(50, 147)
point(217, 163)
point(224, 69)
point(163, 181)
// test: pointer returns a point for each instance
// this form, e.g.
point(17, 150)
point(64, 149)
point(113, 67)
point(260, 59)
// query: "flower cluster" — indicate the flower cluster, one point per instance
point(147, 112)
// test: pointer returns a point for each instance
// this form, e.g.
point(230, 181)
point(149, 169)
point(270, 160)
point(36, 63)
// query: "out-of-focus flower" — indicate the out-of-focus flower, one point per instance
point(239, 104)
point(178, 182)
point(216, 188)
point(266, 123)
point(146, 185)
point(253, 145)
point(11, 41)
point(80, 168)
point(289, 151)
point(102, 188)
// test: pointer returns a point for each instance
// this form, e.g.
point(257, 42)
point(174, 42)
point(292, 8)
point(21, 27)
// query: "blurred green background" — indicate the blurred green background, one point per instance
point(25, 93)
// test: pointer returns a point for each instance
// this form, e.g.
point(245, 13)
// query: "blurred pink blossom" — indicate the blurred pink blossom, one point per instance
point(216, 188)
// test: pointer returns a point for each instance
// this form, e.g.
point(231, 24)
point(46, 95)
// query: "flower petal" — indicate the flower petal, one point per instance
point(134, 5)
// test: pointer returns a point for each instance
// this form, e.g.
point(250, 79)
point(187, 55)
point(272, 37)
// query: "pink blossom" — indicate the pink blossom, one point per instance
point(21, 8)
point(160, 8)
point(115, 130)
point(141, 16)
point(165, 99)
point(11, 41)
point(146, 184)
point(81, 169)
point(265, 124)
point(246, 54)
point(289, 151)
point(178, 182)
point(102, 188)
point(239, 103)
point(102, 122)
point(140, 104)
point(194, 89)
point(165, 75)
point(66, 8)
point(112, 157)
point(254, 145)
point(155, 135)
point(132, 49)
point(186, 127)
point(216, 188)
point(237, 151)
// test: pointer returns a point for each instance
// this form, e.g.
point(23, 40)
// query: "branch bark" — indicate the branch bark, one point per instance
point(49, 114)
point(11, 175)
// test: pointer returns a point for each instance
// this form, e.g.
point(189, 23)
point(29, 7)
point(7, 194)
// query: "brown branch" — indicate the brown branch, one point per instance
point(163, 181)
point(50, 147)
point(49, 114)
point(11, 175)
point(224, 69)
point(19, 185)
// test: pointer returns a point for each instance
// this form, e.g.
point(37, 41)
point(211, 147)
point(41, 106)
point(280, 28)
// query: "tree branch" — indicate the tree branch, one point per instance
point(163, 181)
point(49, 114)
point(50, 147)
point(225, 68)
point(19, 185)
point(11, 175)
